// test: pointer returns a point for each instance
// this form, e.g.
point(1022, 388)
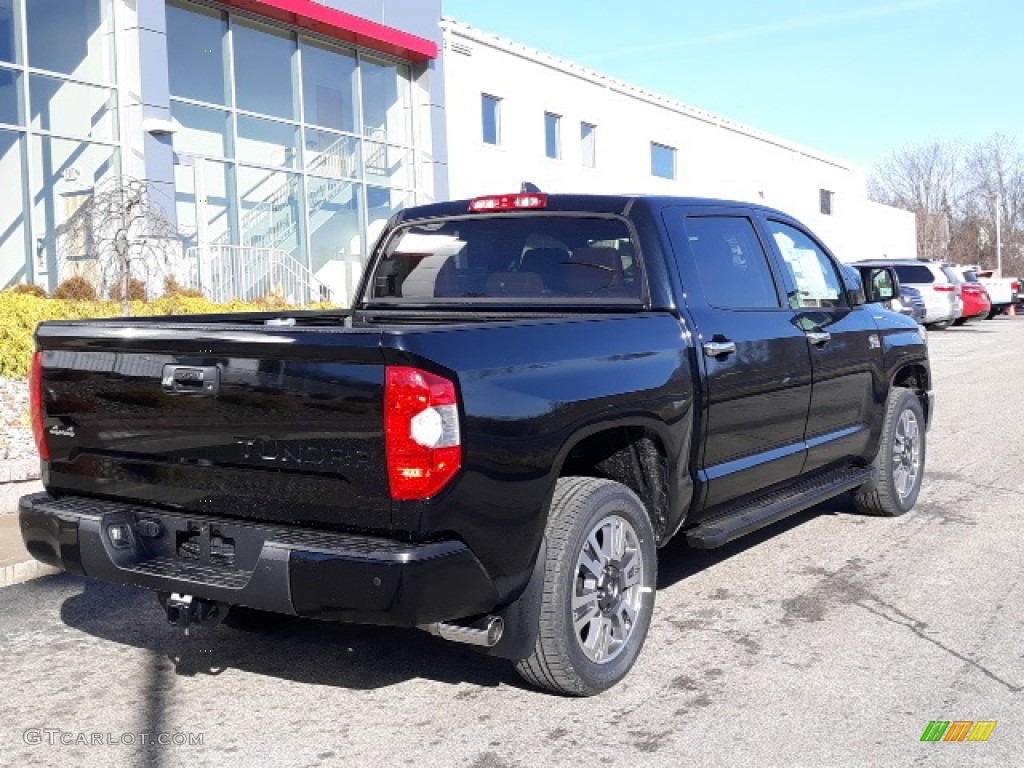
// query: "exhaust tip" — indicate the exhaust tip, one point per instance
point(485, 633)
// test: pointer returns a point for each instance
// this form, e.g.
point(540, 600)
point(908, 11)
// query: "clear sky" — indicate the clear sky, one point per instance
point(855, 79)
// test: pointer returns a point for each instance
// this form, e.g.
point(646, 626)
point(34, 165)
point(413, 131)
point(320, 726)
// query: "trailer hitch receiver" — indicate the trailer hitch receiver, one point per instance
point(187, 611)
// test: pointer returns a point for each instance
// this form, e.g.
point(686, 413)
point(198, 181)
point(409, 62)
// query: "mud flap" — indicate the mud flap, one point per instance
point(522, 616)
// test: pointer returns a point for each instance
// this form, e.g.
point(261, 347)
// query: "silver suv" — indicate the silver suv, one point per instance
point(938, 287)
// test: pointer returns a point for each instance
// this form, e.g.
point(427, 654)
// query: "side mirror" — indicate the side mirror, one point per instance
point(880, 284)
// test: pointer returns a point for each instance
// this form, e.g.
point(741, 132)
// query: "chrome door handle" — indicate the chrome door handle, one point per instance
point(719, 348)
point(817, 338)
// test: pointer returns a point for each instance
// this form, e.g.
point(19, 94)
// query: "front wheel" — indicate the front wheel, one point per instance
point(938, 326)
point(899, 465)
point(599, 582)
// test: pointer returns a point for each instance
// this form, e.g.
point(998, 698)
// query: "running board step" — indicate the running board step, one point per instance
point(765, 510)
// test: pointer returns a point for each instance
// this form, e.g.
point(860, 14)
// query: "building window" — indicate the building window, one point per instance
point(491, 106)
point(588, 144)
point(329, 87)
point(826, 201)
point(10, 97)
point(663, 161)
point(264, 80)
point(298, 152)
point(552, 142)
point(74, 39)
point(10, 31)
point(196, 53)
point(387, 101)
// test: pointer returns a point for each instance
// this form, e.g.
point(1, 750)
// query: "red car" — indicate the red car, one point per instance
point(975, 298)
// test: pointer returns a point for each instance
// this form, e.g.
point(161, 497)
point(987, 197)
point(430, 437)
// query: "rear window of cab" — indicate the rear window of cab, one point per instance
point(520, 257)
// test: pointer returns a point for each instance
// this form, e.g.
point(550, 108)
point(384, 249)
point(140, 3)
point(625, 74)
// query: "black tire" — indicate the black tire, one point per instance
point(559, 662)
point(938, 326)
point(890, 493)
point(992, 313)
point(960, 321)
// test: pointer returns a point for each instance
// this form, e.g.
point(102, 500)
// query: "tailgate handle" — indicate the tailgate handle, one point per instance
point(191, 379)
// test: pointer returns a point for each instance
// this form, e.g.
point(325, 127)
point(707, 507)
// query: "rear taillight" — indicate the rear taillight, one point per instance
point(1014, 286)
point(35, 385)
point(944, 288)
point(421, 432)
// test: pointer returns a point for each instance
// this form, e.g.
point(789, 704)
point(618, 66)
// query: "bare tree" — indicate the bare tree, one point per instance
point(957, 194)
point(120, 234)
point(995, 171)
point(925, 180)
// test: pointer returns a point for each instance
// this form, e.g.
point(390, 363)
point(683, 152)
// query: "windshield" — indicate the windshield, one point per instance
point(499, 258)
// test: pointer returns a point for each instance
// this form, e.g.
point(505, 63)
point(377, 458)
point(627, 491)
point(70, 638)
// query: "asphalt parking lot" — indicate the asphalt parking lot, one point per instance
point(831, 639)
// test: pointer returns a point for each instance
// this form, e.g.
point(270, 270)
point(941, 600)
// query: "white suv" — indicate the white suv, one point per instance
point(938, 288)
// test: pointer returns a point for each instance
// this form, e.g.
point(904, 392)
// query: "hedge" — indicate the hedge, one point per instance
point(20, 313)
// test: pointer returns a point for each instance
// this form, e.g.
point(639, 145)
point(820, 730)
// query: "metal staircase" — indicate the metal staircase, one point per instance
point(245, 272)
point(264, 265)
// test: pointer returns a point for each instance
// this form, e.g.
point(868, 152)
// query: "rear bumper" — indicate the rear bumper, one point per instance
point(320, 574)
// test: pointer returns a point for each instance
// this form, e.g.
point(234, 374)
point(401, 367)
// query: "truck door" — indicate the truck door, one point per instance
point(757, 383)
point(844, 344)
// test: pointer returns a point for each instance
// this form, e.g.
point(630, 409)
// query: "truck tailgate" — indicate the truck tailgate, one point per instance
point(280, 424)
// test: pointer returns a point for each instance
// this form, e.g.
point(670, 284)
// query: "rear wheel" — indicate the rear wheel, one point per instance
point(938, 326)
point(599, 584)
point(960, 321)
point(899, 465)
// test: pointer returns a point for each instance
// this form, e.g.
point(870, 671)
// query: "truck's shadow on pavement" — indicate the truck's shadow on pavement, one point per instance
point(341, 655)
point(678, 561)
point(290, 648)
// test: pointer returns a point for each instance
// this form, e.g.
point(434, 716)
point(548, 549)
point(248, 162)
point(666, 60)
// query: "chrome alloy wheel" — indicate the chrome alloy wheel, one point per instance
point(608, 589)
point(906, 454)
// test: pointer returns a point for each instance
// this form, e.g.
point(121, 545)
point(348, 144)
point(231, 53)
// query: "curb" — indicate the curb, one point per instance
point(18, 471)
point(18, 478)
point(19, 573)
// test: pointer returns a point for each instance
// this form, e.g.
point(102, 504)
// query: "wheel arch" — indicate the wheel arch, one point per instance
point(916, 377)
point(634, 452)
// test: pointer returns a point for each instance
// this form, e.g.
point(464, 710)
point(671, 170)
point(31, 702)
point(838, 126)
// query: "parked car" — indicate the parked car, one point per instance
point(942, 300)
point(910, 302)
point(976, 302)
point(530, 395)
point(1003, 291)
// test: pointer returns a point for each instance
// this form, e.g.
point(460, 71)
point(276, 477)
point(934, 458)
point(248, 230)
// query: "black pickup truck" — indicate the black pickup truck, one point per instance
point(530, 396)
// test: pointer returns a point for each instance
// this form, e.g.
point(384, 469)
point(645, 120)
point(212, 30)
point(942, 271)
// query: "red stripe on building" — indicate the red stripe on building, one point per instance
point(342, 26)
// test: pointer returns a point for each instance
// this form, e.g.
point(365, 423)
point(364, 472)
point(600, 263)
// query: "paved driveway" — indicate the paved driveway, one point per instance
point(831, 639)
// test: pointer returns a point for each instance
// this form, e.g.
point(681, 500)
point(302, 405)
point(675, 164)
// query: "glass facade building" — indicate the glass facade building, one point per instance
point(298, 128)
point(59, 127)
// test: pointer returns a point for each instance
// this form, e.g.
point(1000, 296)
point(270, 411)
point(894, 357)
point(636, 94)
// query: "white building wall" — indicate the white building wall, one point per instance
point(891, 233)
point(715, 157)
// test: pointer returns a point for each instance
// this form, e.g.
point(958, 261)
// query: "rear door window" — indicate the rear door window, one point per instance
point(914, 273)
point(520, 257)
point(731, 263)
